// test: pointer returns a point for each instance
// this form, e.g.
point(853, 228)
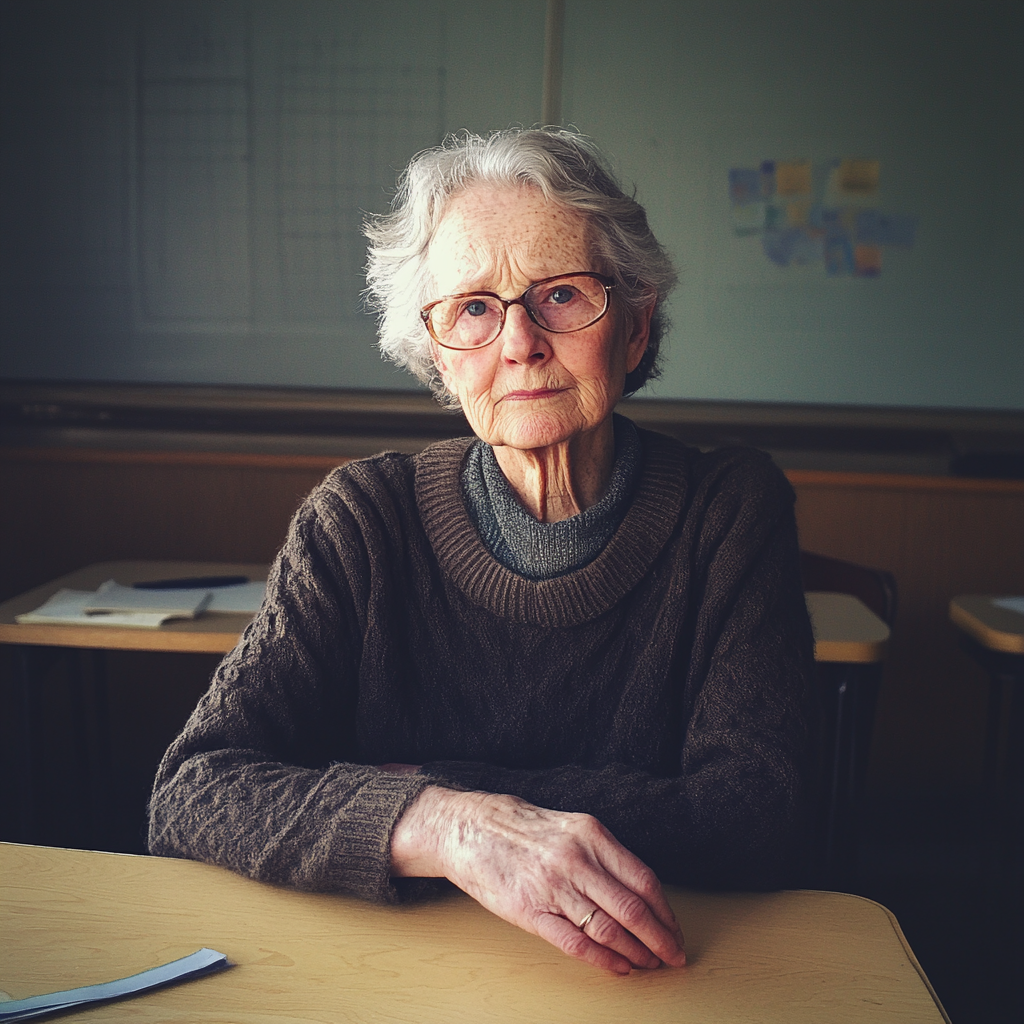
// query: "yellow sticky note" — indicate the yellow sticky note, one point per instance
point(858, 177)
point(793, 178)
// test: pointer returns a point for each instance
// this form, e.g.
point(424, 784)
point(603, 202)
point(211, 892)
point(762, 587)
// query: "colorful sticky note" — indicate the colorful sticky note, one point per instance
point(878, 228)
point(859, 177)
point(744, 186)
point(838, 256)
point(808, 247)
point(793, 178)
point(853, 182)
point(867, 260)
point(779, 246)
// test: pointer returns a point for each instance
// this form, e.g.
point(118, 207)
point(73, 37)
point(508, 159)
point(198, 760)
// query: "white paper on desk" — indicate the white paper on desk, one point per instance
point(238, 597)
point(112, 598)
point(67, 608)
point(195, 965)
point(1013, 604)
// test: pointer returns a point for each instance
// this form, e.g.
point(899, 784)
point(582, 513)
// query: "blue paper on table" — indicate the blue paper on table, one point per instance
point(195, 965)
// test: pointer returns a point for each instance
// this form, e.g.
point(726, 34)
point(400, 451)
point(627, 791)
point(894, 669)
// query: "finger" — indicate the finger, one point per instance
point(644, 920)
point(567, 937)
point(603, 929)
point(632, 913)
point(638, 901)
point(635, 875)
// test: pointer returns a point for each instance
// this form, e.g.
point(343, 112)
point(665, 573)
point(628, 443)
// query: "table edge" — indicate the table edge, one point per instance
point(987, 636)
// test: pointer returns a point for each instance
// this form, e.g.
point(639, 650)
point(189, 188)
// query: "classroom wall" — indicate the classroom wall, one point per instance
point(184, 181)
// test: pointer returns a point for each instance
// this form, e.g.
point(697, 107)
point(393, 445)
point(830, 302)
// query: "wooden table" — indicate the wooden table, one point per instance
point(845, 630)
point(995, 628)
point(71, 917)
point(212, 633)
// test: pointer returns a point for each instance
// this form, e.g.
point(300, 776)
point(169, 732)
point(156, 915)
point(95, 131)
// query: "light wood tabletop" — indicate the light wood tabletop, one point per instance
point(210, 633)
point(998, 629)
point(845, 629)
point(71, 917)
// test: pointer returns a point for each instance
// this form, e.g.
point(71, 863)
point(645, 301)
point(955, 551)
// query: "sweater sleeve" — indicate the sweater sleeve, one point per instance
point(735, 815)
point(254, 781)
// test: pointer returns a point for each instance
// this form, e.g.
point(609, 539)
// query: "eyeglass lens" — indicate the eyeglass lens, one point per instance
point(563, 305)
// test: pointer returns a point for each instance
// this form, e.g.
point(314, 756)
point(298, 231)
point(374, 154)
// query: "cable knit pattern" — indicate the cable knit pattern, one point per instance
point(664, 687)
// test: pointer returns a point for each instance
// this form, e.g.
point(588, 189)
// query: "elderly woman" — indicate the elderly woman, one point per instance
point(552, 663)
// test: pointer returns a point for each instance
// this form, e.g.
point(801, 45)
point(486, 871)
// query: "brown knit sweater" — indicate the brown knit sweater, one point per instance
point(664, 688)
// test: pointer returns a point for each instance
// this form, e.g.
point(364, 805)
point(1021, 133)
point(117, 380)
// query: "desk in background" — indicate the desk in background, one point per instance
point(848, 638)
point(37, 647)
point(71, 918)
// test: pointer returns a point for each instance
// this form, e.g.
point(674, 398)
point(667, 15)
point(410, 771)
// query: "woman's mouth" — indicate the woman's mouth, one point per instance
point(535, 393)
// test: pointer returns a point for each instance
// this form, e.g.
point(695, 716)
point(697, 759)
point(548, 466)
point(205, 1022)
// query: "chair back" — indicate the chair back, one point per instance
point(875, 587)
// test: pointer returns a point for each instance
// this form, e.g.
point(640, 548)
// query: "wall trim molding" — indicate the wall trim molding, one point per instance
point(318, 423)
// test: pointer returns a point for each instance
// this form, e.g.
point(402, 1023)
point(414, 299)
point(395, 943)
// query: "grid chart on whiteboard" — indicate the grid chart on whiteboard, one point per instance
point(254, 175)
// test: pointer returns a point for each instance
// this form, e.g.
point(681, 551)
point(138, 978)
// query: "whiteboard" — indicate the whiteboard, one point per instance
point(184, 181)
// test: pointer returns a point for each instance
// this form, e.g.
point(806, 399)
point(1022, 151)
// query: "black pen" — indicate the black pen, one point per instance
point(191, 583)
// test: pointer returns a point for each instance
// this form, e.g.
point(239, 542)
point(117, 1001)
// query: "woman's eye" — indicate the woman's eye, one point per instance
point(562, 295)
point(476, 308)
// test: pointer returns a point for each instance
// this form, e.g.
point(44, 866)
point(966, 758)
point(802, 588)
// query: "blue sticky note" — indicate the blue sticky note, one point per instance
point(744, 185)
point(838, 256)
point(831, 221)
point(780, 246)
point(877, 228)
point(808, 246)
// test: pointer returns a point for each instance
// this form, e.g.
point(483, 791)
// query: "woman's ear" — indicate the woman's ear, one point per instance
point(639, 334)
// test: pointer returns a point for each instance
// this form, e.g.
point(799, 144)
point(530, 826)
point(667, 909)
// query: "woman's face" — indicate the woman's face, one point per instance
point(528, 388)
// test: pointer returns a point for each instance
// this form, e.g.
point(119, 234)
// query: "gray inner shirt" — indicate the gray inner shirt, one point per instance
point(541, 551)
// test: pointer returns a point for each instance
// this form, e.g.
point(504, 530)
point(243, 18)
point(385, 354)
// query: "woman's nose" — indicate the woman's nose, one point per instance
point(522, 341)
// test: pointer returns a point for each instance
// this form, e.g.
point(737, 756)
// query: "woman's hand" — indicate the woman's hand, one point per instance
point(544, 871)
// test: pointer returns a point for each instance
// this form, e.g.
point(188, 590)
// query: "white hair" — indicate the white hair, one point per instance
point(569, 170)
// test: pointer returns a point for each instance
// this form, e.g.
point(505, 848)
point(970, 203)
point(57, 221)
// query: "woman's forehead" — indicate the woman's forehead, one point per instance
point(492, 237)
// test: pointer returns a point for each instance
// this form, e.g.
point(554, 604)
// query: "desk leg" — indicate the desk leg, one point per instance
point(101, 795)
point(32, 666)
point(1015, 777)
point(28, 710)
point(850, 697)
point(83, 782)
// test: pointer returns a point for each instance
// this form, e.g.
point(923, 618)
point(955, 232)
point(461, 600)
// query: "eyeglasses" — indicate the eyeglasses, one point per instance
point(561, 305)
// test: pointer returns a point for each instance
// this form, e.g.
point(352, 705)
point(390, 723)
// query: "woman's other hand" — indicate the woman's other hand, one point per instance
point(544, 871)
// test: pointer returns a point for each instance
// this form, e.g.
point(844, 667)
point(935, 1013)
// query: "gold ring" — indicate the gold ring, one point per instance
point(586, 920)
